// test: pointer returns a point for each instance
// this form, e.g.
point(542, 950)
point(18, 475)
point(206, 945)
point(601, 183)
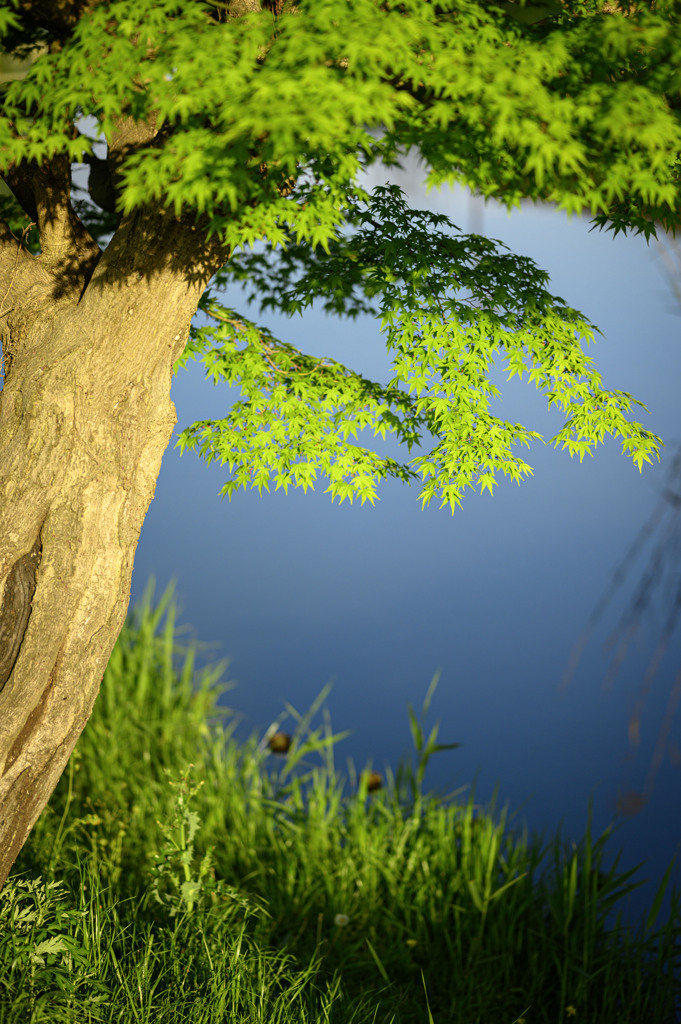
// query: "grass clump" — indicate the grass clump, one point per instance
point(178, 877)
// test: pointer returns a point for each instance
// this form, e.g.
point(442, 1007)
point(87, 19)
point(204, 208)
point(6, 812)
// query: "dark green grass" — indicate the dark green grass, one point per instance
point(178, 877)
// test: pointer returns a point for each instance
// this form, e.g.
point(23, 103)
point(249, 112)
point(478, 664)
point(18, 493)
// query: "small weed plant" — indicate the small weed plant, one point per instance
point(181, 877)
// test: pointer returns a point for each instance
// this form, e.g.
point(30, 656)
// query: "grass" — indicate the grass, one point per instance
point(178, 877)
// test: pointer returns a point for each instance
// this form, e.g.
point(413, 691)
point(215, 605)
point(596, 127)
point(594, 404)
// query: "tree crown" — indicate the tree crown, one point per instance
point(257, 121)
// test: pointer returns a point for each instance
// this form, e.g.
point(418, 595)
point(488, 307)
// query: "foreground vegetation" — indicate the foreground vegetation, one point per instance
point(178, 876)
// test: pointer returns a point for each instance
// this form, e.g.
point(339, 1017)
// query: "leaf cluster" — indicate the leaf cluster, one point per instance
point(265, 121)
point(295, 414)
point(449, 305)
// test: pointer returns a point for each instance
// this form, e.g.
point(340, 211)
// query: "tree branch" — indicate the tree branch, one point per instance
point(43, 190)
point(4, 309)
point(17, 270)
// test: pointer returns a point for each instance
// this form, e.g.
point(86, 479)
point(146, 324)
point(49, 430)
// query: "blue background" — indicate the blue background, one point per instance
point(297, 591)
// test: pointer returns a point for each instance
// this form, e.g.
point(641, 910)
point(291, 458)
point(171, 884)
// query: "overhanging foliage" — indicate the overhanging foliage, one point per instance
point(262, 125)
point(449, 305)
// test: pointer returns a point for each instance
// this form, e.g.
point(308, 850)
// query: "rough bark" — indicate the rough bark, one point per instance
point(85, 416)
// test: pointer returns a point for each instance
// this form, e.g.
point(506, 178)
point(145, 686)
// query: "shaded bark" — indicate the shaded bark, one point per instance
point(89, 340)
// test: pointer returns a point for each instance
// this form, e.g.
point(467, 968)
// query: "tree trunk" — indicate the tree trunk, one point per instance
point(85, 416)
